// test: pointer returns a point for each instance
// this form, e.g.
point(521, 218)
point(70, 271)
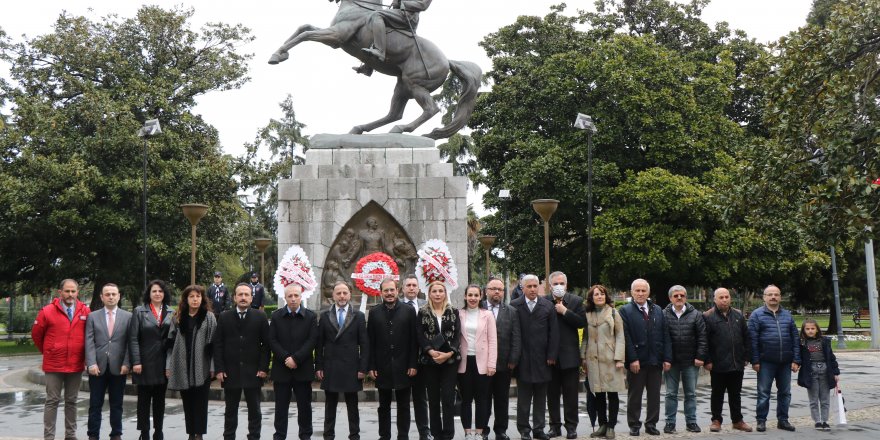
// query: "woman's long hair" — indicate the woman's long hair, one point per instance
point(166, 294)
point(183, 306)
point(431, 301)
point(479, 290)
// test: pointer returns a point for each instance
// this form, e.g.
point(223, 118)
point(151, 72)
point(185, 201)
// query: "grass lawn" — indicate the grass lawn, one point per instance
point(12, 347)
point(823, 321)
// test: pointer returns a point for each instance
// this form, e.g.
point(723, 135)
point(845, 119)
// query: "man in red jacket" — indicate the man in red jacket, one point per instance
point(59, 332)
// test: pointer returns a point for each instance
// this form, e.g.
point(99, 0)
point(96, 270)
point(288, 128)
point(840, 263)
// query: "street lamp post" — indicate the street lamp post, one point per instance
point(545, 208)
point(249, 203)
point(194, 213)
point(585, 122)
point(841, 343)
point(487, 241)
point(504, 194)
point(150, 128)
point(262, 244)
point(872, 293)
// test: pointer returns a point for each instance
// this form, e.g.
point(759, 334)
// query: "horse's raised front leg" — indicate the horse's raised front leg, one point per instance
point(429, 109)
point(281, 54)
point(398, 104)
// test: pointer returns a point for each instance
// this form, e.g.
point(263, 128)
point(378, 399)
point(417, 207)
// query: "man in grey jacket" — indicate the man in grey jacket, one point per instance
point(509, 347)
point(107, 361)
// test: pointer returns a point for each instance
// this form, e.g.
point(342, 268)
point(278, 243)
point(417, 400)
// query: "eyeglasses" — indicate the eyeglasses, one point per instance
point(679, 296)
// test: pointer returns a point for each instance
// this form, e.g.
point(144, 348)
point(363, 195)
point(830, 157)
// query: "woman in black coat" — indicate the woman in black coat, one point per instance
point(149, 329)
point(439, 333)
point(342, 358)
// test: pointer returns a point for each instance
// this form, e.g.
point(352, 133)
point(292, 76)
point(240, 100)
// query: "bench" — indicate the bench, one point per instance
point(860, 315)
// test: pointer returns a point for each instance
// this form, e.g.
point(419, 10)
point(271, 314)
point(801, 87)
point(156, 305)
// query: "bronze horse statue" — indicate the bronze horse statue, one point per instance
point(418, 64)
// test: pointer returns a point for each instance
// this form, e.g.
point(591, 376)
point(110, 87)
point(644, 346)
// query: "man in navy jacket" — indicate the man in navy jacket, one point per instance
point(775, 355)
point(648, 353)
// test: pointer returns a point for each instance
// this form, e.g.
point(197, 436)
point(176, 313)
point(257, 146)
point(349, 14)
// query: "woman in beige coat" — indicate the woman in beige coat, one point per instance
point(603, 351)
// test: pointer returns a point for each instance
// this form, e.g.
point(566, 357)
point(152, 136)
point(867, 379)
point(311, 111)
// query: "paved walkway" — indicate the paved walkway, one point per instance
point(21, 409)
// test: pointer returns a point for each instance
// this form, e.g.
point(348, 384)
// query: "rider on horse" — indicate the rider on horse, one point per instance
point(402, 15)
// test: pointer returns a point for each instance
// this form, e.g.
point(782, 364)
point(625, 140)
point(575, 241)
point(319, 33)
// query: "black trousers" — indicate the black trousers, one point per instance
point(730, 382)
point(474, 389)
point(302, 392)
point(607, 409)
point(195, 408)
point(441, 394)
point(151, 396)
point(402, 398)
point(233, 398)
point(420, 402)
point(564, 381)
point(531, 397)
point(649, 379)
point(499, 401)
point(354, 418)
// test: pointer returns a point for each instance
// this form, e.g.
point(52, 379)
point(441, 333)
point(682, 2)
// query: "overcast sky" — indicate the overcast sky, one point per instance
point(328, 96)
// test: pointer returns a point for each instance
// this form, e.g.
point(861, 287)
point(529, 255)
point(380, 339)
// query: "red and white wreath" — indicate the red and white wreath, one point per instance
point(436, 264)
point(371, 270)
point(295, 268)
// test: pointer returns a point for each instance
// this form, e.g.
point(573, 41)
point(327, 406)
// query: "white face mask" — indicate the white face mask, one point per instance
point(558, 291)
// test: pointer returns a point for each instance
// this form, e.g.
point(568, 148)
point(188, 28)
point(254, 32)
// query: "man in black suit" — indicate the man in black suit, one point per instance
point(342, 359)
point(219, 295)
point(420, 384)
point(571, 316)
point(393, 354)
point(508, 331)
point(241, 360)
point(293, 336)
point(540, 345)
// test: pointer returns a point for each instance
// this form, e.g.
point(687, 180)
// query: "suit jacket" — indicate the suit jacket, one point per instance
point(147, 344)
point(293, 335)
point(393, 346)
point(241, 348)
point(574, 318)
point(419, 304)
point(486, 342)
point(646, 341)
point(539, 330)
point(508, 331)
point(108, 352)
point(342, 352)
point(220, 303)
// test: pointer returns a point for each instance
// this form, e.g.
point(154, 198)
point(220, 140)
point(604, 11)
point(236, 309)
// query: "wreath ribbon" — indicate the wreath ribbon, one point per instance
point(440, 267)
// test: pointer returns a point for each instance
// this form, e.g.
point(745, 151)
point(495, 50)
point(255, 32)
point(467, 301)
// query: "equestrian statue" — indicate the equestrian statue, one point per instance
point(385, 41)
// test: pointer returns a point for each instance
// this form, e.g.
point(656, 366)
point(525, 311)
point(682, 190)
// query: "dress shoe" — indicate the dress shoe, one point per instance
point(501, 437)
point(571, 435)
point(693, 427)
point(609, 434)
point(652, 430)
point(669, 428)
point(115, 437)
point(600, 433)
point(762, 426)
point(554, 432)
point(715, 426)
point(525, 435)
point(742, 426)
point(826, 426)
point(633, 432)
point(785, 426)
point(540, 435)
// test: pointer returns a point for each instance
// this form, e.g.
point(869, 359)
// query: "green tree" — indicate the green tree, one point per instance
point(71, 157)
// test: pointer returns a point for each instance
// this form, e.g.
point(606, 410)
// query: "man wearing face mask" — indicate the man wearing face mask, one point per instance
point(571, 316)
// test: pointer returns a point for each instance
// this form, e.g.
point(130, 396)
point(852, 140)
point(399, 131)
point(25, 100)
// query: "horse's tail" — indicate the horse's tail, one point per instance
point(470, 75)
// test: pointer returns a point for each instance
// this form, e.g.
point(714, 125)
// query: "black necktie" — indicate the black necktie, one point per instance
point(241, 314)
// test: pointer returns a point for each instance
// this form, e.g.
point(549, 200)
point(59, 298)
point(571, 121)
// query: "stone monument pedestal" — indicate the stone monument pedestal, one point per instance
point(342, 174)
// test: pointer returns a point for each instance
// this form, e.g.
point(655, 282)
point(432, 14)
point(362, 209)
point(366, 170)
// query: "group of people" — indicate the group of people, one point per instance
point(430, 353)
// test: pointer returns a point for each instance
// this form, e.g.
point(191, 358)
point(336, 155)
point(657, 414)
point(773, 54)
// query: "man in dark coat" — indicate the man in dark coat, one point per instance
point(571, 316)
point(775, 355)
point(241, 360)
point(219, 295)
point(420, 384)
point(293, 336)
point(540, 344)
point(509, 350)
point(729, 348)
point(342, 359)
point(259, 292)
point(393, 354)
point(646, 349)
point(686, 332)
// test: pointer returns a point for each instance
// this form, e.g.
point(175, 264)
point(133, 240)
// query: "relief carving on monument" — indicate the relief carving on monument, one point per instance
point(370, 230)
